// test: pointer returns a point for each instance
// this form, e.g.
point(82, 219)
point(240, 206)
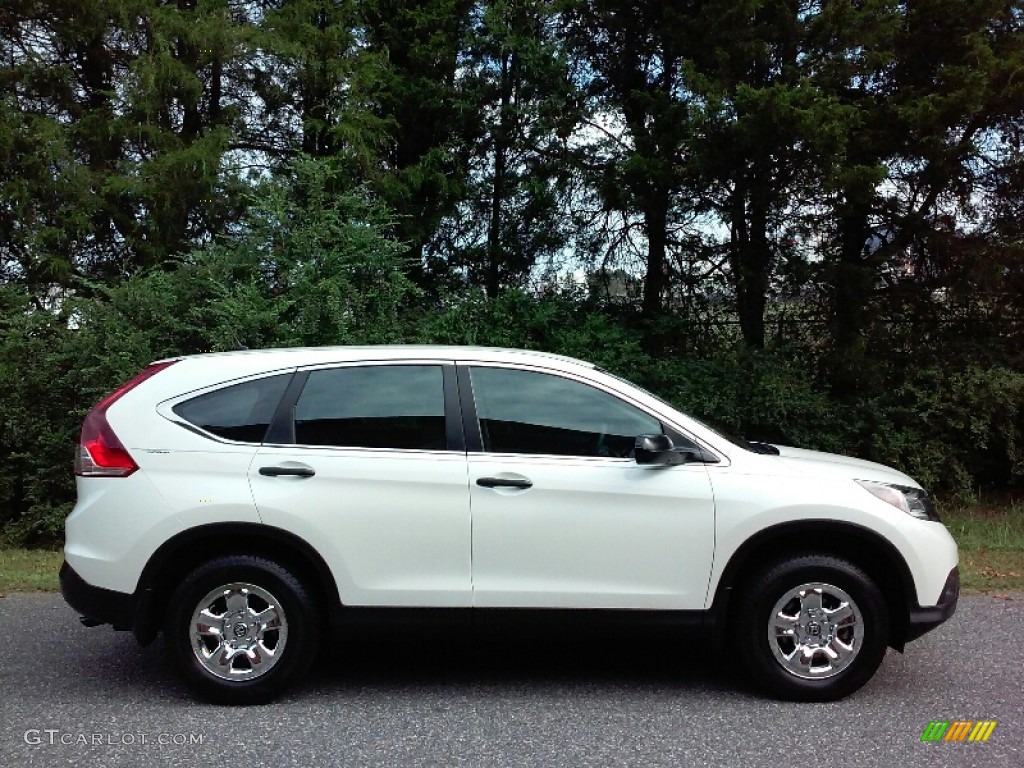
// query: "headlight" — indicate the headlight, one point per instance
point(913, 501)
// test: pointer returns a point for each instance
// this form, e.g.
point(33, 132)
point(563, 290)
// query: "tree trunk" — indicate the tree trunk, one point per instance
point(101, 153)
point(316, 134)
point(751, 257)
point(852, 284)
point(495, 254)
point(656, 225)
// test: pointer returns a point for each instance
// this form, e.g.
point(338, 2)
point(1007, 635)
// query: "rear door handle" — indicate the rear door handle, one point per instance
point(503, 482)
point(294, 471)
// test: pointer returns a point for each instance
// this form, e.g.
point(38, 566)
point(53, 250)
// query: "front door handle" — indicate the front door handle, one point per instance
point(294, 471)
point(503, 482)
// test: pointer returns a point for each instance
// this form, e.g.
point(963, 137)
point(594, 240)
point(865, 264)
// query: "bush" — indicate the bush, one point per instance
point(760, 395)
point(954, 430)
point(306, 267)
point(562, 323)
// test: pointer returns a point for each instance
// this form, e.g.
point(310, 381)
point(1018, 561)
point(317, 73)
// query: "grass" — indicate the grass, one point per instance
point(990, 537)
point(991, 542)
point(29, 570)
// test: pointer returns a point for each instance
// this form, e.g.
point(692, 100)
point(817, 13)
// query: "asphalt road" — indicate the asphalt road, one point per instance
point(635, 703)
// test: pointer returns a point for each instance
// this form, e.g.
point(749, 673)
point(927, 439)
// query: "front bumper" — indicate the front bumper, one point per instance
point(921, 620)
point(103, 606)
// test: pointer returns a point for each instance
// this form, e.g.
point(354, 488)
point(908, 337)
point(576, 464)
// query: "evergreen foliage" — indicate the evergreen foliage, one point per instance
point(801, 219)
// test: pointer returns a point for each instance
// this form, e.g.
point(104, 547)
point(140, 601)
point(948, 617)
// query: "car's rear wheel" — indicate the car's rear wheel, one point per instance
point(241, 629)
point(812, 628)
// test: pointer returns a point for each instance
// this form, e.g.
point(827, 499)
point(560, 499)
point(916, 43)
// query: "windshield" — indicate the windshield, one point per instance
point(722, 433)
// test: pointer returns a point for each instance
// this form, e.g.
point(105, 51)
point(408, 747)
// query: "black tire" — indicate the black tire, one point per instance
point(283, 633)
point(824, 678)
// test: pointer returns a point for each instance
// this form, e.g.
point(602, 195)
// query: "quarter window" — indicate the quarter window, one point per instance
point(240, 412)
point(538, 413)
point(384, 406)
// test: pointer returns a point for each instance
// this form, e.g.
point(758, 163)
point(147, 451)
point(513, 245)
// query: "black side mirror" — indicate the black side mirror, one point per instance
point(659, 450)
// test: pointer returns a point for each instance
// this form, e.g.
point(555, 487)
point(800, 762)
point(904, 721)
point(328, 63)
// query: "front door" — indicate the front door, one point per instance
point(563, 517)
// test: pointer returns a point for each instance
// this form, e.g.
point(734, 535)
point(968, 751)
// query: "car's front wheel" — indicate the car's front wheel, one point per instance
point(241, 629)
point(812, 628)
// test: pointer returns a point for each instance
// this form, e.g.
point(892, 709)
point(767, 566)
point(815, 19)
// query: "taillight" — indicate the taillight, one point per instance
point(100, 452)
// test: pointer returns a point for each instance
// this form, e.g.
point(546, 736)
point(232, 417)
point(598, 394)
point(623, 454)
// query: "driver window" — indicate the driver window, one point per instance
point(538, 413)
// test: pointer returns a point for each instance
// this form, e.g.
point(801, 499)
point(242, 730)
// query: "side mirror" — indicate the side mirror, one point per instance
point(659, 450)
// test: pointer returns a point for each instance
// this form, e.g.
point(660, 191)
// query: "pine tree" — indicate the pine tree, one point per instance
point(920, 85)
point(513, 215)
point(635, 54)
point(416, 94)
point(117, 116)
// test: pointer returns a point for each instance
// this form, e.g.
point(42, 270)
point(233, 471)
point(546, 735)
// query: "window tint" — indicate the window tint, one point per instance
point(681, 440)
point(383, 406)
point(239, 412)
point(526, 412)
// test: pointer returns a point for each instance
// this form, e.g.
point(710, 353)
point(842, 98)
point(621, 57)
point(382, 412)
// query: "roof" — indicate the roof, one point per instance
point(286, 356)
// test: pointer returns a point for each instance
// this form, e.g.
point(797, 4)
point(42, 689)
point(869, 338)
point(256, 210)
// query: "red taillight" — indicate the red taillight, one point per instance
point(100, 453)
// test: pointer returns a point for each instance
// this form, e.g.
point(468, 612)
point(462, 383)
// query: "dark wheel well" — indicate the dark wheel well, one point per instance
point(861, 546)
point(183, 553)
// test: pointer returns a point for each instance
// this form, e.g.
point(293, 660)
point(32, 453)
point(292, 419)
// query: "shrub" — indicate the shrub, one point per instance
point(305, 267)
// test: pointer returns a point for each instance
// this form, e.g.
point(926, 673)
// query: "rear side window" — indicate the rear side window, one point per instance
point(382, 406)
point(240, 412)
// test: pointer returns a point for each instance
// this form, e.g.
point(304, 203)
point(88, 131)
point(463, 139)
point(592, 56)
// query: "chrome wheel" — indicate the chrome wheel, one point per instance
point(238, 631)
point(815, 631)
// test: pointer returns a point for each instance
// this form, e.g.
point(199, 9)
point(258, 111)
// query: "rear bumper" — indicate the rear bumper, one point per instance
point(922, 620)
point(104, 606)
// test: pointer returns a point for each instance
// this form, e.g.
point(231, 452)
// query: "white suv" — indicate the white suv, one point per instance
point(252, 504)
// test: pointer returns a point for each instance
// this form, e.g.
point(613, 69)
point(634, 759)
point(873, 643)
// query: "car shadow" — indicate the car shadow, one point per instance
point(458, 662)
point(409, 661)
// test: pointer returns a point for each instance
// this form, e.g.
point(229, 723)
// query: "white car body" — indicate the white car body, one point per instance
point(413, 529)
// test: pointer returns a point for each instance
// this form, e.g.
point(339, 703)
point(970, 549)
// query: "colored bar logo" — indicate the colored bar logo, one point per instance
point(958, 730)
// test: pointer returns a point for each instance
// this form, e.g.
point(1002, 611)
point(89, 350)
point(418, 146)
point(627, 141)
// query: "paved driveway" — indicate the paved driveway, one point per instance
point(76, 696)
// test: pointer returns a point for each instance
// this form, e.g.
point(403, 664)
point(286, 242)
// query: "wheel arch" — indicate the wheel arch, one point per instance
point(865, 548)
point(181, 553)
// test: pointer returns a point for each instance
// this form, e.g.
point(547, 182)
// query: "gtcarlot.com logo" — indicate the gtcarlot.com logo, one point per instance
point(54, 736)
point(958, 730)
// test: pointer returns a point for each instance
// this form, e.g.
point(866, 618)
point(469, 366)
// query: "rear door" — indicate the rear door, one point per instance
point(563, 517)
point(367, 462)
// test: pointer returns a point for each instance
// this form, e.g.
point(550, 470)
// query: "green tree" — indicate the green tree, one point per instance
point(759, 118)
point(922, 84)
point(634, 54)
point(116, 114)
point(418, 97)
point(313, 82)
point(513, 214)
point(180, 113)
point(303, 266)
